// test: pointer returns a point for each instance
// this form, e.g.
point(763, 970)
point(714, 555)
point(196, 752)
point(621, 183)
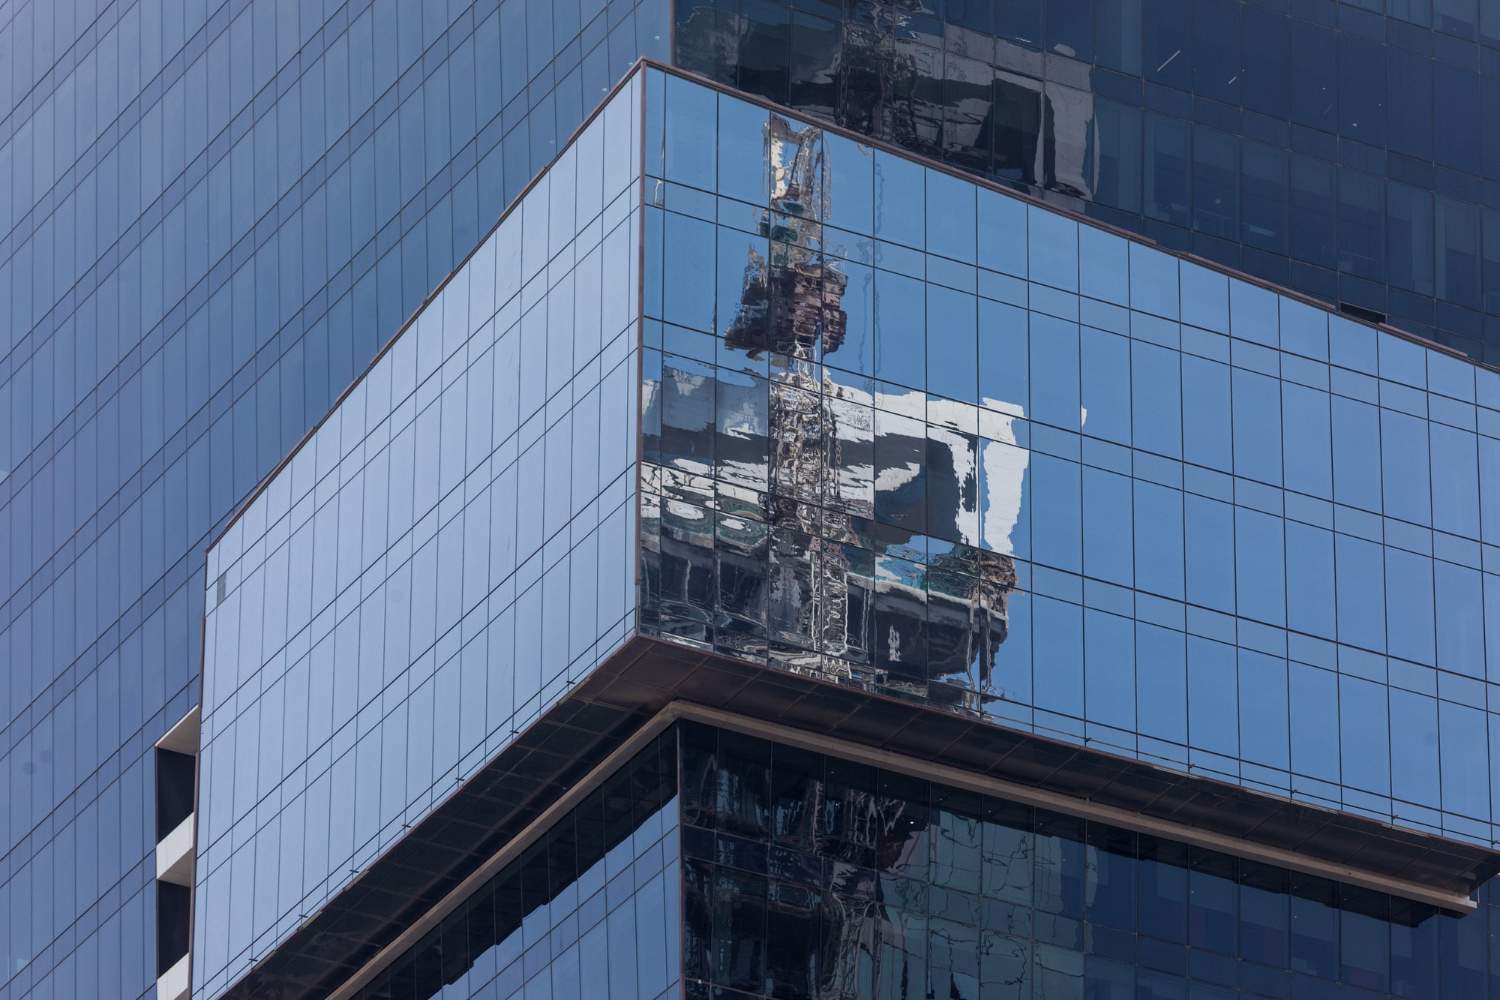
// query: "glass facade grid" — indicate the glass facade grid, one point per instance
point(446, 554)
point(913, 434)
point(214, 214)
point(807, 875)
point(592, 909)
point(199, 252)
point(1321, 146)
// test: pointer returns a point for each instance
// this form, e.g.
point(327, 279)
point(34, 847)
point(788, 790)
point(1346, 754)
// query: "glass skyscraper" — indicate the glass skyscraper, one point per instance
point(879, 499)
point(214, 215)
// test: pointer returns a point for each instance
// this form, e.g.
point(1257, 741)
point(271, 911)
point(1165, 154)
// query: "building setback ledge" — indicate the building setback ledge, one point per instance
point(650, 683)
point(648, 675)
point(435, 856)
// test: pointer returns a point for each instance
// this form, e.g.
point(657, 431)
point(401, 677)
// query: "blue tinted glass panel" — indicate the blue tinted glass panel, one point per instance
point(393, 553)
point(1272, 496)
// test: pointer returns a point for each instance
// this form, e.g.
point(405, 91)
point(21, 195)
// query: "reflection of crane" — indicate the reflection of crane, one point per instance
point(882, 73)
point(791, 307)
point(820, 591)
point(979, 594)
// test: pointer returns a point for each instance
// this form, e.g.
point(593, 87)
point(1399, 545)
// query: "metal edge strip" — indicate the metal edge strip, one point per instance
point(1073, 806)
point(904, 764)
point(529, 835)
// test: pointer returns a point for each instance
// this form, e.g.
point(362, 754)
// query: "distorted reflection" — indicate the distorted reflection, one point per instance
point(811, 876)
point(800, 517)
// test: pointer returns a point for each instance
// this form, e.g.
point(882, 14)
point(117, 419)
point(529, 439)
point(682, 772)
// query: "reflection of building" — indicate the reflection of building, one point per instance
point(739, 611)
point(1204, 676)
point(790, 304)
point(1183, 123)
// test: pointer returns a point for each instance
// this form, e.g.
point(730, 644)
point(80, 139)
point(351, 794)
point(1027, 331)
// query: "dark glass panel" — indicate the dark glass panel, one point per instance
point(848, 822)
point(797, 794)
point(1264, 197)
point(814, 70)
point(697, 920)
point(744, 792)
point(1462, 958)
point(1117, 182)
point(1212, 915)
point(1163, 880)
point(1361, 97)
point(1117, 34)
point(1314, 80)
point(1020, 22)
point(1315, 927)
point(1313, 215)
point(1361, 221)
point(1110, 885)
point(740, 942)
point(1365, 939)
point(1457, 243)
point(1409, 238)
point(1220, 64)
point(1061, 874)
point(969, 118)
point(900, 959)
point(1215, 176)
point(904, 844)
point(1414, 950)
point(957, 840)
point(1168, 175)
point(1168, 45)
point(764, 49)
point(1265, 916)
point(793, 927)
point(953, 960)
point(1018, 128)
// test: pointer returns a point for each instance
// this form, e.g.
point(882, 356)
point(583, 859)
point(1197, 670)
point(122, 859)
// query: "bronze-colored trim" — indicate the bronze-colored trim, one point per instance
point(896, 762)
point(528, 836)
point(891, 761)
point(1082, 808)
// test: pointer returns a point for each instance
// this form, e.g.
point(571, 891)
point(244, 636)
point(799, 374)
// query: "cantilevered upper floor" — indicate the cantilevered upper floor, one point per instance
point(744, 411)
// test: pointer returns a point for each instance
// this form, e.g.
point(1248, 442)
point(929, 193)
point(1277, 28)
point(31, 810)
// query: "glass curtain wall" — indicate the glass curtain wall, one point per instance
point(910, 433)
point(1337, 148)
point(809, 876)
point(805, 876)
point(592, 909)
point(212, 215)
point(434, 567)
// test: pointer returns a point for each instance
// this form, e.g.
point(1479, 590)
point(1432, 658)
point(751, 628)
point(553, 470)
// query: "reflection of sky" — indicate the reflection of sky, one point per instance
point(958, 497)
point(1006, 406)
point(1004, 475)
point(893, 477)
point(739, 417)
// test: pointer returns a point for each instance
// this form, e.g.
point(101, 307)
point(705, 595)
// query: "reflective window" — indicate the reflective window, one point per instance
point(878, 880)
point(214, 218)
point(590, 909)
point(477, 475)
point(1087, 488)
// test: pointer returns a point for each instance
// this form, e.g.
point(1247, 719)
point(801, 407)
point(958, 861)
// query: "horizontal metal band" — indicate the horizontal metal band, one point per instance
point(1071, 805)
point(902, 763)
point(529, 835)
